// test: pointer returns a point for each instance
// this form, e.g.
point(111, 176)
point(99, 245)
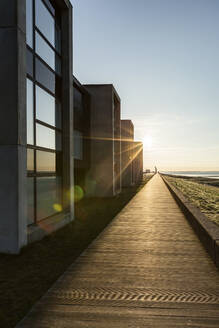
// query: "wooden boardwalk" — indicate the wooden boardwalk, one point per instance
point(147, 269)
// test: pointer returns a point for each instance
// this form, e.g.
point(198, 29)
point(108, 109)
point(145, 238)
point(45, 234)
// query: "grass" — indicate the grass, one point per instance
point(26, 277)
point(204, 196)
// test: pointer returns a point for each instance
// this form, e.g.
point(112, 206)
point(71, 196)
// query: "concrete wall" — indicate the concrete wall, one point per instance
point(137, 161)
point(12, 126)
point(82, 124)
point(127, 137)
point(104, 179)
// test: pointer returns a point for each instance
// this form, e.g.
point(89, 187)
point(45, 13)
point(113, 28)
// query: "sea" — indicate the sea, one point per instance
point(203, 174)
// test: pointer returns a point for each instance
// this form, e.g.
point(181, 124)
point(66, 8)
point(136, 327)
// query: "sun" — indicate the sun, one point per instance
point(147, 142)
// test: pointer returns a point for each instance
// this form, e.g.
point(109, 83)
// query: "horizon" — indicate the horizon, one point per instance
point(162, 60)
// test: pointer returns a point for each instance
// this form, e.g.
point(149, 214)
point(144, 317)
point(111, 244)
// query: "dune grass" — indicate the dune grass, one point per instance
point(204, 196)
point(26, 277)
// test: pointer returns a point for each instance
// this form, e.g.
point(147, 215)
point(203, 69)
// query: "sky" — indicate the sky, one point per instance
point(162, 56)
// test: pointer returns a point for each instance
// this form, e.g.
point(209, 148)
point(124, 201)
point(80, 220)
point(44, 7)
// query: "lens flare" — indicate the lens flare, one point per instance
point(78, 193)
point(57, 207)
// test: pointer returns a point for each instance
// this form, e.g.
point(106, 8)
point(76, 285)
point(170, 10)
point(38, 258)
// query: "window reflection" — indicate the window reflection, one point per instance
point(29, 62)
point(47, 138)
point(45, 76)
point(30, 200)
point(48, 196)
point(45, 161)
point(29, 23)
point(43, 64)
point(30, 135)
point(50, 6)
point(45, 106)
point(45, 22)
point(30, 160)
point(44, 51)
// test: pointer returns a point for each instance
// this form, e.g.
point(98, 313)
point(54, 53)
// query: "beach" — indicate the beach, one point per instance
point(208, 179)
point(201, 191)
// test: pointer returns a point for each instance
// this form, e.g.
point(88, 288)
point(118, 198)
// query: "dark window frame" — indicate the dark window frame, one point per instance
point(34, 174)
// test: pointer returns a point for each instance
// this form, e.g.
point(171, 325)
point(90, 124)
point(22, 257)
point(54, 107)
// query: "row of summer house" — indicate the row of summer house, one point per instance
point(55, 134)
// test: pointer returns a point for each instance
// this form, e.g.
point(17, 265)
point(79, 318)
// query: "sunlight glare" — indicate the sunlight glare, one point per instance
point(147, 142)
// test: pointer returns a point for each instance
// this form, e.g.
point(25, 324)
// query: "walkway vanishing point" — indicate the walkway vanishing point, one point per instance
point(147, 269)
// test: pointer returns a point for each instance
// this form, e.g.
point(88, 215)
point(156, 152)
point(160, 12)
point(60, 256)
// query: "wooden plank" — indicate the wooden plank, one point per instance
point(147, 269)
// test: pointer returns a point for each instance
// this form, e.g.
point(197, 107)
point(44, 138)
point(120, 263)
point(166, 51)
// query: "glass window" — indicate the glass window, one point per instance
point(30, 200)
point(30, 160)
point(29, 23)
point(47, 54)
point(50, 6)
point(30, 134)
point(45, 22)
point(48, 196)
point(45, 76)
point(45, 162)
point(45, 106)
point(47, 138)
point(45, 51)
point(78, 145)
point(29, 62)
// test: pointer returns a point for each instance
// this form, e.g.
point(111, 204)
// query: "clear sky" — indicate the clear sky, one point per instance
point(162, 56)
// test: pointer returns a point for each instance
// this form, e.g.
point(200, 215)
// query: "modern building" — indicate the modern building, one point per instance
point(132, 155)
point(137, 161)
point(127, 155)
point(36, 120)
point(81, 134)
point(53, 130)
point(104, 178)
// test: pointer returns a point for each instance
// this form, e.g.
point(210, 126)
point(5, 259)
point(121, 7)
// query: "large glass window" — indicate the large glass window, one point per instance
point(44, 76)
point(30, 160)
point(45, 137)
point(29, 59)
point(45, 51)
point(50, 7)
point(29, 22)
point(48, 196)
point(45, 161)
point(48, 138)
point(47, 54)
point(30, 132)
point(44, 111)
point(45, 21)
point(30, 200)
point(45, 106)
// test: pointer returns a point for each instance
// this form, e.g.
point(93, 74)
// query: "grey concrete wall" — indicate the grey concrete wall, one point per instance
point(117, 143)
point(101, 179)
point(127, 163)
point(12, 126)
point(138, 161)
point(127, 136)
